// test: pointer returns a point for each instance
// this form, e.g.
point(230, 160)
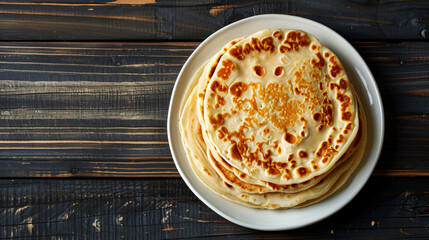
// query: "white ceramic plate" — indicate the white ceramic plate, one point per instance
point(357, 71)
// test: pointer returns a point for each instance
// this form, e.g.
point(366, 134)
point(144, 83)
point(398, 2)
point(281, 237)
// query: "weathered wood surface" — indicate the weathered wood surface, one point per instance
point(387, 208)
point(195, 20)
point(100, 109)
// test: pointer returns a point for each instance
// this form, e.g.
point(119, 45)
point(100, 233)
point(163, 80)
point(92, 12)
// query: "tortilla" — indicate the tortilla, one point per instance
point(272, 121)
point(279, 107)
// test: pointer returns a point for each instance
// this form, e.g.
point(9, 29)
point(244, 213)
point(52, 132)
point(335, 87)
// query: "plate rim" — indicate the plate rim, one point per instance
point(374, 159)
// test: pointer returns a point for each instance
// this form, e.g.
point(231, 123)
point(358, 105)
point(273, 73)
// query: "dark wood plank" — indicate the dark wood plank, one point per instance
point(99, 109)
point(195, 20)
point(387, 208)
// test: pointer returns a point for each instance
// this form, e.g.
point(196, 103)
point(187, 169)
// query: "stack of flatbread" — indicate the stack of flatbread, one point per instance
point(272, 121)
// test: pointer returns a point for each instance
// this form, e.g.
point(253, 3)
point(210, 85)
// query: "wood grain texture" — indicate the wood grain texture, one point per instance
point(99, 109)
point(166, 209)
point(195, 20)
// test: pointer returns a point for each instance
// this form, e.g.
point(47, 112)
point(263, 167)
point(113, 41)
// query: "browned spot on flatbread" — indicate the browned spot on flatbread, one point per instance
point(334, 85)
point(340, 97)
point(320, 62)
point(347, 128)
point(220, 135)
point(346, 116)
point(237, 52)
point(335, 69)
point(218, 120)
point(281, 165)
point(275, 144)
point(217, 86)
point(297, 92)
point(238, 88)
point(343, 83)
point(340, 138)
point(290, 138)
point(227, 68)
point(278, 35)
point(292, 164)
point(266, 131)
point(235, 154)
point(294, 40)
point(286, 176)
point(346, 103)
point(283, 49)
point(317, 117)
point(273, 171)
point(278, 70)
point(220, 101)
point(302, 171)
point(268, 44)
point(259, 70)
point(322, 149)
point(302, 154)
point(247, 49)
point(256, 44)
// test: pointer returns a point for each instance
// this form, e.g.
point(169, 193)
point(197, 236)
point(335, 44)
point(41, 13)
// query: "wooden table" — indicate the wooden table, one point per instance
point(84, 93)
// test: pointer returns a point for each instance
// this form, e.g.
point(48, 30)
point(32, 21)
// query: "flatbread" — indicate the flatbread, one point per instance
point(279, 107)
point(272, 121)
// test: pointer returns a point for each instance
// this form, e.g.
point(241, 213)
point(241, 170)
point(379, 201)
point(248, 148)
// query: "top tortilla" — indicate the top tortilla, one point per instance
point(279, 107)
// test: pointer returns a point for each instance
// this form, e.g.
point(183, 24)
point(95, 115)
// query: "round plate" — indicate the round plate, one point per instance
point(364, 83)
